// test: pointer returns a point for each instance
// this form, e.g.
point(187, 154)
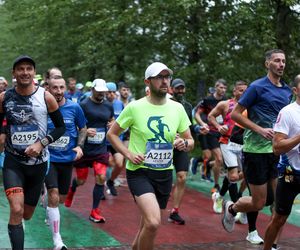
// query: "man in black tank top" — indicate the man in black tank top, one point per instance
point(26, 108)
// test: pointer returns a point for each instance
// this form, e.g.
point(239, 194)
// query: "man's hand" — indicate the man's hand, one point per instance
point(223, 129)
point(267, 133)
point(34, 150)
point(78, 152)
point(180, 144)
point(136, 158)
point(91, 132)
point(204, 129)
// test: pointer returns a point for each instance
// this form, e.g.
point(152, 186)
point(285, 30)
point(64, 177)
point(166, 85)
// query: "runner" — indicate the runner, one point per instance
point(231, 152)
point(26, 107)
point(72, 93)
point(99, 113)
point(180, 158)
point(63, 152)
point(116, 159)
point(263, 100)
point(286, 142)
point(154, 121)
point(212, 134)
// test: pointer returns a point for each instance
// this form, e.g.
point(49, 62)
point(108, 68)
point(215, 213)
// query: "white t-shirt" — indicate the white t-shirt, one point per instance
point(288, 123)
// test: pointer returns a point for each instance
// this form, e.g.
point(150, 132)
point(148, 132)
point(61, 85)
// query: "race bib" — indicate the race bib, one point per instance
point(61, 143)
point(158, 155)
point(23, 136)
point(98, 138)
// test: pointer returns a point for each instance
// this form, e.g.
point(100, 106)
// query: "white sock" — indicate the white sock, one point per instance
point(54, 222)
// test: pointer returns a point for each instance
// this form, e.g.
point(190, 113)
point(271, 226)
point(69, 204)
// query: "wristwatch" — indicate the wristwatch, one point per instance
point(186, 143)
point(44, 142)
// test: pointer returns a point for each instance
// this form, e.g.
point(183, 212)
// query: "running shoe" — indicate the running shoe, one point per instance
point(69, 199)
point(208, 176)
point(118, 182)
point(111, 187)
point(96, 217)
point(193, 165)
point(217, 202)
point(176, 219)
point(241, 218)
point(59, 245)
point(228, 218)
point(254, 238)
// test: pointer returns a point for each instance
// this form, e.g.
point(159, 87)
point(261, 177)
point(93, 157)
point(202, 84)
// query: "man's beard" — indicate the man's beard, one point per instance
point(178, 97)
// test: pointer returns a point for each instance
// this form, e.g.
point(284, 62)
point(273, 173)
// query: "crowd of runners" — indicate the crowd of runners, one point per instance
point(50, 126)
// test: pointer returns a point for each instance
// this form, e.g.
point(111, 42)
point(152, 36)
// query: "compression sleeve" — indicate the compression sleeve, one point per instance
point(59, 124)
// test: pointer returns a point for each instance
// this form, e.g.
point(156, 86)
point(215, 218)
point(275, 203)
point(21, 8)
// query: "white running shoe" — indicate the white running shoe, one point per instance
point(118, 182)
point(254, 238)
point(59, 245)
point(228, 218)
point(241, 218)
point(217, 202)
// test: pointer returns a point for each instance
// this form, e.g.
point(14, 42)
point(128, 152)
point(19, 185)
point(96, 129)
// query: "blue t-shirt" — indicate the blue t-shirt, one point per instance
point(75, 96)
point(263, 101)
point(97, 115)
point(62, 149)
point(118, 107)
point(85, 95)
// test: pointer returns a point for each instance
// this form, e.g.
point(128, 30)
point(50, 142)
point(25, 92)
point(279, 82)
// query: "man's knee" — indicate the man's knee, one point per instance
point(259, 204)
point(17, 210)
point(233, 176)
point(100, 179)
point(279, 220)
point(80, 181)
point(28, 212)
point(181, 177)
point(152, 224)
point(53, 197)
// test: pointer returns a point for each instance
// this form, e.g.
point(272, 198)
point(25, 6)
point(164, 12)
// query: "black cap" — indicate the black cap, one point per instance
point(177, 82)
point(23, 58)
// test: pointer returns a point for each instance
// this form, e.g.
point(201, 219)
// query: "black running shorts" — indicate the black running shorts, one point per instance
point(213, 140)
point(285, 196)
point(259, 168)
point(59, 176)
point(29, 177)
point(180, 160)
point(142, 181)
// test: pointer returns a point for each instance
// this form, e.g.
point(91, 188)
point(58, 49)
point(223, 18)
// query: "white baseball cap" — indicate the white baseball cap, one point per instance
point(155, 68)
point(99, 85)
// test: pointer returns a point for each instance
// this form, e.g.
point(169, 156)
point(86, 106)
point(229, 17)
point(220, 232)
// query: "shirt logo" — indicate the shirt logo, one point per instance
point(157, 127)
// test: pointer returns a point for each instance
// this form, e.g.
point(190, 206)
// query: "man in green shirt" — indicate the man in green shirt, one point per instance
point(154, 122)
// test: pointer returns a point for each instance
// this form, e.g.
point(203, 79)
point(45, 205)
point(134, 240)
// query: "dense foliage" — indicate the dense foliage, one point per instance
point(115, 40)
